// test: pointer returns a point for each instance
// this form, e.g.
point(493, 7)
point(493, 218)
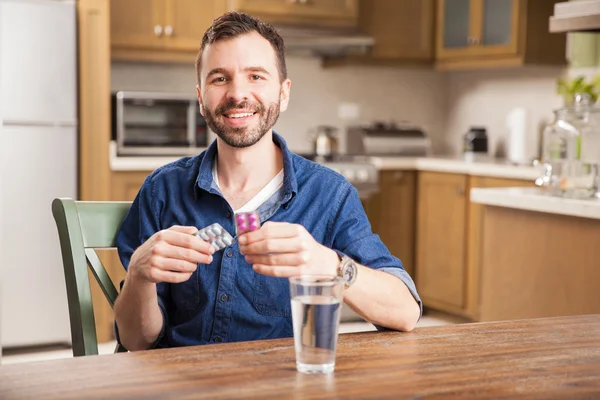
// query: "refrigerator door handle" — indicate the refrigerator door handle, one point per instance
point(61, 124)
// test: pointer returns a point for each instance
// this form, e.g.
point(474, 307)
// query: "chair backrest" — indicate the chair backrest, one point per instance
point(82, 227)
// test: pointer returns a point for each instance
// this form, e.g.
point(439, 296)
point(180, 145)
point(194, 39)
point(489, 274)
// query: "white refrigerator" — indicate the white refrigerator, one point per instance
point(38, 139)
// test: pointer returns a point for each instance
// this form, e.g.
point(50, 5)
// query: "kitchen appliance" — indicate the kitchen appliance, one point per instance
point(38, 161)
point(325, 141)
point(475, 140)
point(158, 124)
point(381, 139)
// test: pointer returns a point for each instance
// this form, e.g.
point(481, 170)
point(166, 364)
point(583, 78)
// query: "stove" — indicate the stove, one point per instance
point(357, 169)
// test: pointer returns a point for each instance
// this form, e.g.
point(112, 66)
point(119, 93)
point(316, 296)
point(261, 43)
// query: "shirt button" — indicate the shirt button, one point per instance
point(229, 253)
point(228, 214)
point(224, 297)
point(218, 339)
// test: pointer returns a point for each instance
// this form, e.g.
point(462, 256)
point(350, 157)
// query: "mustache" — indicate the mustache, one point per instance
point(231, 105)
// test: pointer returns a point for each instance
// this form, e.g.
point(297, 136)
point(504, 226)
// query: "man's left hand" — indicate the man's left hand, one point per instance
point(283, 250)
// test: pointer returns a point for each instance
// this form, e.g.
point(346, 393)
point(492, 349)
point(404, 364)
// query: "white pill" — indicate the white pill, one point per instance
point(220, 243)
point(227, 239)
point(203, 235)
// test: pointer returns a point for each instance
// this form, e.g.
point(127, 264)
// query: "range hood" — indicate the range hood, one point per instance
point(324, 42)
point(576, 16)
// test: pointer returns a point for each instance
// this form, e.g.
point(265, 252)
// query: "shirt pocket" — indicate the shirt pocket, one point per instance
point(272, 296)
point(186, 295)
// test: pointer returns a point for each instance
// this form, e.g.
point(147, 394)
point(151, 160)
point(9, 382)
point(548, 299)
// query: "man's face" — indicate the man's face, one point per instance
point(240, 94)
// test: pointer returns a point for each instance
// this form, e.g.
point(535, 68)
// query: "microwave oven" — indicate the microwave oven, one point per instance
point(157, 124)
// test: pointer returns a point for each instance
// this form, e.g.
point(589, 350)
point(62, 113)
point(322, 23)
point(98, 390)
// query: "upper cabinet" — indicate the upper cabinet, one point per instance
point(402, 30)
point(160, 29)
point(494, 33)
point(311, 12)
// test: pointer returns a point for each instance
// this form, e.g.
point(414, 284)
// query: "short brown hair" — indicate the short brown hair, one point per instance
point(234, 24)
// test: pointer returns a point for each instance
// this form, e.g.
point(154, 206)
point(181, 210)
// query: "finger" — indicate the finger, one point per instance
point(186, 240)
point(170, 276)
point(289, 259)
point(171, 264)
point(275, 245)
point(184, 229)
point(277, 271)
point(272, 230)
point(181, 253)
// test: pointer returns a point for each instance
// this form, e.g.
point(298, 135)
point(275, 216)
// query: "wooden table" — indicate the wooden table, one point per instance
point(540, 358)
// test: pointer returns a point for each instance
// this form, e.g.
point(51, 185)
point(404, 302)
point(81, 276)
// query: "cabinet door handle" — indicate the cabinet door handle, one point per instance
point(460, 191)
point(397, 176)
point(293, 1)
point(303, 1)
point(168, 30)
point(158, 30)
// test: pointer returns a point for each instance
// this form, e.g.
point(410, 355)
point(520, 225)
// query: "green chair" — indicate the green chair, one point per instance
point(82, 227)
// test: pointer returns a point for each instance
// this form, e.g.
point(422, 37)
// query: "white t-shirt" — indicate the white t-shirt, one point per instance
point(265, 193)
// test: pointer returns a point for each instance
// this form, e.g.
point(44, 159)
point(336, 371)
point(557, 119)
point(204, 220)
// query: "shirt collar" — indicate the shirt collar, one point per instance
point(204, 181)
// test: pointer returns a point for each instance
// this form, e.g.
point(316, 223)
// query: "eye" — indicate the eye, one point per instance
point(255, 77)
point(219, 79)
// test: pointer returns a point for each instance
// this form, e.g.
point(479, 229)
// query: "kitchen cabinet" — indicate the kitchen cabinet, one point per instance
point(94, 128)
point(475, 240)
point(393, 216)
point(403, 32)
point(449, 240)
point(441, 239)
point(160, 30)
point(496, 33)
point(303, 12)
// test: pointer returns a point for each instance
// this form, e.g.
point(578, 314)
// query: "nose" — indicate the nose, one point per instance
point(238, 90)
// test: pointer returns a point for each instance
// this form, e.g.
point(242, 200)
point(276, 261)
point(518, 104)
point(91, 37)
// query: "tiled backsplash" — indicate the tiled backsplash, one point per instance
point(444, 104)
point(381, 93)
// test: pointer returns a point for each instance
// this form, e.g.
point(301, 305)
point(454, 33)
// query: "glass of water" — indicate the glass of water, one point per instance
point(316, 306)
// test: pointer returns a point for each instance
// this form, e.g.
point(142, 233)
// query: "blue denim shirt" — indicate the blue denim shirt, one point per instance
point(226, 301)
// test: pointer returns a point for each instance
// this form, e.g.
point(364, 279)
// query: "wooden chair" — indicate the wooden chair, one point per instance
point(84, 226)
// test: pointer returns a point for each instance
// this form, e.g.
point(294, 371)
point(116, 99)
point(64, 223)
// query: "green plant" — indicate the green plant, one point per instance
point(568, 88)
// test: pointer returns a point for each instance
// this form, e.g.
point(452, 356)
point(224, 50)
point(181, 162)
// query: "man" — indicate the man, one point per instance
point(178, 291)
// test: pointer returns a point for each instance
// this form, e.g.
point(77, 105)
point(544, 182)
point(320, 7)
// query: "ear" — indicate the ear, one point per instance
point(200, 101)
point(284, 95)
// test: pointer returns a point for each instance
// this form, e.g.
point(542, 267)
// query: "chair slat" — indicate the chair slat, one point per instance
point(100, 222)
point(106, 284)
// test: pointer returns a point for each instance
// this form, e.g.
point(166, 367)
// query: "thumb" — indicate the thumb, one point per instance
point(184, 229)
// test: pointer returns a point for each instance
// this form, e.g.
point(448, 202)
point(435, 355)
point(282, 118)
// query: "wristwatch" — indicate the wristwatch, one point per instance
point(347, 270)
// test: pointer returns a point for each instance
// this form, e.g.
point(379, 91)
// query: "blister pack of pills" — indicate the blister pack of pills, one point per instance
point(246, 222)
point(216, 236)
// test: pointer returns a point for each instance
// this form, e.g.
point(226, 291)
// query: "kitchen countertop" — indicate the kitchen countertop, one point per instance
point(479, 166)
point(536, 199)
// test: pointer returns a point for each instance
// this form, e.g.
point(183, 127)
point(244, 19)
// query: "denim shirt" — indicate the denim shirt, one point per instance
point(226, 301)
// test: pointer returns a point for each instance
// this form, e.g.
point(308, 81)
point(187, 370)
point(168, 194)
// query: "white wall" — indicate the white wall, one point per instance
point(485, 97)
point(382, 93)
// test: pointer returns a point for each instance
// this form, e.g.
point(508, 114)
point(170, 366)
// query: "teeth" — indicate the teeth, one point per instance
point(240, 115)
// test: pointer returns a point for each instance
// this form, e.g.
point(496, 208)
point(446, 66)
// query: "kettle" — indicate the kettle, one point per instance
point(325, 141)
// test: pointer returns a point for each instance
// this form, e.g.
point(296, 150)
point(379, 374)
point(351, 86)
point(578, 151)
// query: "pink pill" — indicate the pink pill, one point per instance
point(239, 218)
point(243, 226)
point(252, 217)
point(253, 226)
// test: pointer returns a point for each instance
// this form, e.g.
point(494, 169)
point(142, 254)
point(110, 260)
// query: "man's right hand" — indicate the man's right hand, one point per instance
point(170, 255)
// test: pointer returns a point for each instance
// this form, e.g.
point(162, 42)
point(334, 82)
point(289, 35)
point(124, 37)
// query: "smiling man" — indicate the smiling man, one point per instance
point(178, 291)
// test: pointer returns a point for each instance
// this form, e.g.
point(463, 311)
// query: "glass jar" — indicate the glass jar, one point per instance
point(571, 151)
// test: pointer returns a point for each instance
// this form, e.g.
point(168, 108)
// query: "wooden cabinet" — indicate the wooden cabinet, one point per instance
point(126, 184)
point(403, 32)
point(475, 240)
point(449, 241)
point(441, 216)
point(313, 12)
point(160, 29)
point(393, 216)
point(493, 33)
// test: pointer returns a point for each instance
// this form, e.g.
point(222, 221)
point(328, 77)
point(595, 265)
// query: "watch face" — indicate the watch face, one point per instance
point(349, 272)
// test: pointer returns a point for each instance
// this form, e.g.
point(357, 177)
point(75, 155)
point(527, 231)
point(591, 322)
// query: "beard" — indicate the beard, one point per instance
point(243, 136)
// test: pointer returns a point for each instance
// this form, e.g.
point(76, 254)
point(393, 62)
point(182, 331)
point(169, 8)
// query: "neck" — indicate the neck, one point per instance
point(250, 168)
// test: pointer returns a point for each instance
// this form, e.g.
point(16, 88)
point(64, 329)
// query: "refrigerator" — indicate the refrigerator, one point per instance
point(38, 150)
